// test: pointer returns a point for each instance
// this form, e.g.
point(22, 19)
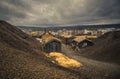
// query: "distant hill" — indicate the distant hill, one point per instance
point(106, 48)
point(34, 28)
point(21, 57)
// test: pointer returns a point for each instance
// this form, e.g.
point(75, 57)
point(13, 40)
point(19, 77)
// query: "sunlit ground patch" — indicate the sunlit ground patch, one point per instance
point(63, 60)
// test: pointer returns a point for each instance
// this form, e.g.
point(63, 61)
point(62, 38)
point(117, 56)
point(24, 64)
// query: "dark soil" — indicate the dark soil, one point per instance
point(93, 69)
point(21, 57)
point(106, 48)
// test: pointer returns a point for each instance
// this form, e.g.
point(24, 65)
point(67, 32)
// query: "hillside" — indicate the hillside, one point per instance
point(21, 57)
point(106, 48)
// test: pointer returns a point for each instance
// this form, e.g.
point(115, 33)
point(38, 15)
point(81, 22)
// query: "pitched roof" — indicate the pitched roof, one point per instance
point(47, 37)
point(83, 37)
point(66, 35)
point(79, 38)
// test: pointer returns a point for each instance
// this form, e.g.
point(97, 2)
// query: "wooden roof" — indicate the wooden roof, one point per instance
point(83, 37)
point(47, 37)
point(66, 35)
point(79, 38)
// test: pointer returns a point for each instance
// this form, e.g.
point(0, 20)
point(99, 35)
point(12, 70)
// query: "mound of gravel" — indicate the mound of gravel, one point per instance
point(21, 57)
point(106, 48)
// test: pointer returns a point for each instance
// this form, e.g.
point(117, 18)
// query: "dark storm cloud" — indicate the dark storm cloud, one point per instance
point(8, 13)
point(12, 10)
point(17, 3)
point(110, 8)
point(37, 12)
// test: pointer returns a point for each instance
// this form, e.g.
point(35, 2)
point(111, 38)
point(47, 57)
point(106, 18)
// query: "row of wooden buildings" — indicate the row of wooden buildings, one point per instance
point(51, 43)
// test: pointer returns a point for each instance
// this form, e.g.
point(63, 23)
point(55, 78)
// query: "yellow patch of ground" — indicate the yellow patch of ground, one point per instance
point(64, 60)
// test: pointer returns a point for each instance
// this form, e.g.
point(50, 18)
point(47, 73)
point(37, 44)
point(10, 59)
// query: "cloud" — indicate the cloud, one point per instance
point(41, 12)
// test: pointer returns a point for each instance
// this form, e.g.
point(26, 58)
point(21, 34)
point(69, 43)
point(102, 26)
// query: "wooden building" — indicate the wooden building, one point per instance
point(81, 42)
point(66, 39)
point(51, 43)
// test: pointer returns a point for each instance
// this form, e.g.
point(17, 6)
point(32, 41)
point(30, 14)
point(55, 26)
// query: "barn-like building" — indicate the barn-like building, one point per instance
point(81, 42)
point(51, 43)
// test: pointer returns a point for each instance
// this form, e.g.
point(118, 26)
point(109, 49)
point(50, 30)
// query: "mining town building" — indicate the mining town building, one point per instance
point(51, 43)
point(81, 42)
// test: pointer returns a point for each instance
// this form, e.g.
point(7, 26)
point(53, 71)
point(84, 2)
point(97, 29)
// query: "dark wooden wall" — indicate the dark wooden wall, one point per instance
point(53, 46)
point(85, 43)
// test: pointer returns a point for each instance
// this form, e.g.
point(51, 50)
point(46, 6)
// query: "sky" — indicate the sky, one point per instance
point(60, 12)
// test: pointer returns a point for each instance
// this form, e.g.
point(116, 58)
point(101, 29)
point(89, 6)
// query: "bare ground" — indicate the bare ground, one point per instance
point(93, 69)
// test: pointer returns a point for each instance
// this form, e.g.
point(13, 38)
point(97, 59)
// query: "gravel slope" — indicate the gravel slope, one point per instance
point(92, 68)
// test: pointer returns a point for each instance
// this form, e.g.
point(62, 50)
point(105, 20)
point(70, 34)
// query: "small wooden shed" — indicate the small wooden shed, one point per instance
point(51, 43)
point(81, 42)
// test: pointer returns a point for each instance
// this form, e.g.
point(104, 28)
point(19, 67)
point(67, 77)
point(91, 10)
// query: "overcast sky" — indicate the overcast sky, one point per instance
point(61, 12)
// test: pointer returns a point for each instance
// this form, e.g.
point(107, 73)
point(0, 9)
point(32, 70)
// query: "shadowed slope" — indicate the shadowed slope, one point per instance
point(106, 48)
point(21, 58)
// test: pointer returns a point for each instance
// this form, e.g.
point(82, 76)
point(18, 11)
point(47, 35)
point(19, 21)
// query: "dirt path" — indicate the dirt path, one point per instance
point(93, 67)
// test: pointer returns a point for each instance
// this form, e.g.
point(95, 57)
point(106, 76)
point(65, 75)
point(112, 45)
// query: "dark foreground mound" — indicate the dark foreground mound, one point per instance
point(21, 58)
point(106, 48)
